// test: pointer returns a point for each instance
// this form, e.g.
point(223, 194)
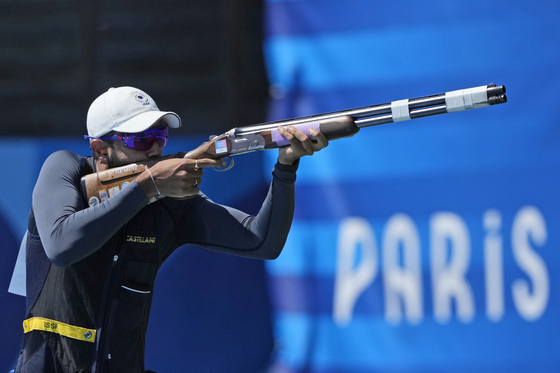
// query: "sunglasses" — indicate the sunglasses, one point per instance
point(140, 141)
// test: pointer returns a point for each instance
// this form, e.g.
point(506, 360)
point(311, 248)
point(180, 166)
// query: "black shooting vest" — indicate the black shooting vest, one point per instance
point(105, 298)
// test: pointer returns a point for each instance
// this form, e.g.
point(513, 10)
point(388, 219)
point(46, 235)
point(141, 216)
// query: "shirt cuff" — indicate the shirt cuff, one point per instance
point(286, 173)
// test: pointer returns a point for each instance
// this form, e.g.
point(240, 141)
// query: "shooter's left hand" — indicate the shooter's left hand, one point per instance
point(300, 144)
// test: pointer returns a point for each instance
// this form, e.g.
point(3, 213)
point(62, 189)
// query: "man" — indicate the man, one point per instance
point(90, 270)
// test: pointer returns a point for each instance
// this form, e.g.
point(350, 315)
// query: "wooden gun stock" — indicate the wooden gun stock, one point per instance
point(100, 186)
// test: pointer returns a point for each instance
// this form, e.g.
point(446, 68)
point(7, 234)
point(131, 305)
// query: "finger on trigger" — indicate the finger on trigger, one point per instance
point(208, 162)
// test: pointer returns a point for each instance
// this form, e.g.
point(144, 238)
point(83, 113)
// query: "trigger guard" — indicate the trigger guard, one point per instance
point(226, 168)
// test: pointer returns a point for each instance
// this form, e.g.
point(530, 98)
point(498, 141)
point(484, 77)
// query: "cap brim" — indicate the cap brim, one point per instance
point(144, 121)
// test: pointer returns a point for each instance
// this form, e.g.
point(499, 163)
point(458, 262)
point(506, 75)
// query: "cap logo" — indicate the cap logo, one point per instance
point(140, 97)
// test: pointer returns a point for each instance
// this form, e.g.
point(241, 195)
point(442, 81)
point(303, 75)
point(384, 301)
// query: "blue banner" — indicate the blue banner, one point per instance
point(426, 245)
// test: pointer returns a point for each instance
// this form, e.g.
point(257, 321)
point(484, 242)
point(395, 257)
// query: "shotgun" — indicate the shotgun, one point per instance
point(98, 187)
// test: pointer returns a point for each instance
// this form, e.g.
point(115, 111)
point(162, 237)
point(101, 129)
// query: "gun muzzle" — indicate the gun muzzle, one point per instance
point(496, 94)
point(499, 99)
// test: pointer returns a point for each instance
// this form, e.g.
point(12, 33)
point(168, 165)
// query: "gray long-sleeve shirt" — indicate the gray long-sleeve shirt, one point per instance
point(70, 231)
point(94, 267)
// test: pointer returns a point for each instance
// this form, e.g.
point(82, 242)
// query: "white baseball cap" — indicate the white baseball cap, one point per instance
point(128, 110)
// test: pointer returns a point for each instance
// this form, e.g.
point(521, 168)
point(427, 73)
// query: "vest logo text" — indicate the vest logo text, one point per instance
point(140, 239)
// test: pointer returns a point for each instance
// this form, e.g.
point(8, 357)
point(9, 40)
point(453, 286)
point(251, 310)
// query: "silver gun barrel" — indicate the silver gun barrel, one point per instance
point(401, 110)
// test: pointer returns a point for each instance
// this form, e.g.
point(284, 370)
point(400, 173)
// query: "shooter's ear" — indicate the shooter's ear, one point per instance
point(99, 148)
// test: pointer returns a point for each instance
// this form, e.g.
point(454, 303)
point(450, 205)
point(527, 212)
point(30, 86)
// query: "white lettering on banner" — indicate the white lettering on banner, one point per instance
point(402, 282)
point(529, 225)
point(450, 255)
point(448, 279)
point(351, 280)
point(493, 265)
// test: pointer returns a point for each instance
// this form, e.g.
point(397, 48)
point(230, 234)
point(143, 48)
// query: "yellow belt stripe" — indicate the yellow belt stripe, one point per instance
point(70, 331)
